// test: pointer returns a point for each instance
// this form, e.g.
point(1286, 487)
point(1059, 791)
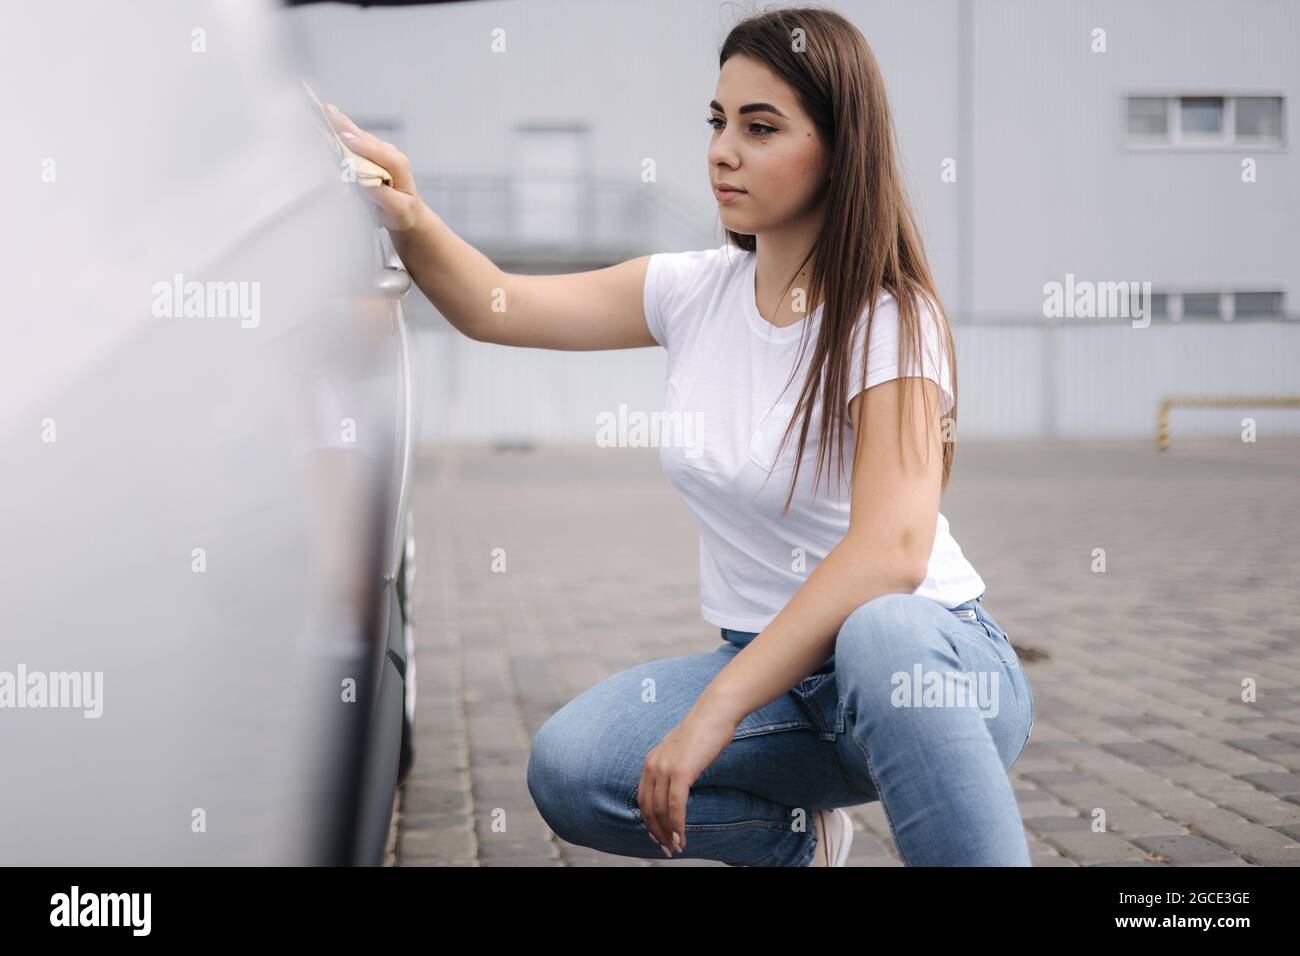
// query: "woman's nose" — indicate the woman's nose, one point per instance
point(721, 152)
point(721, 155)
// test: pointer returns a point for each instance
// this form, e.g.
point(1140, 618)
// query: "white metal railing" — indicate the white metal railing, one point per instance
point(549, 217)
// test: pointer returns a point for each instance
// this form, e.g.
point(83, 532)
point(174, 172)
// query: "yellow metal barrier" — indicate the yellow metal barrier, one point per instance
point(1216, 401)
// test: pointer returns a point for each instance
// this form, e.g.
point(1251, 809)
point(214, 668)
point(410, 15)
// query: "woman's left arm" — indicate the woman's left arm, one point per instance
point(896, 487)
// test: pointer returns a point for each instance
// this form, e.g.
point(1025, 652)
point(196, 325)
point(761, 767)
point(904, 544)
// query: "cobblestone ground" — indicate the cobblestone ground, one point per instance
point(1137, 672)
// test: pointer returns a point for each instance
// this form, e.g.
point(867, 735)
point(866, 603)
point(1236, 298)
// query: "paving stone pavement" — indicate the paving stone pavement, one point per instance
point(1137, 670)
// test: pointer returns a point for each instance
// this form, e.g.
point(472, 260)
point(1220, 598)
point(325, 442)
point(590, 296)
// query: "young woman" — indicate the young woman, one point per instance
point(857, 661)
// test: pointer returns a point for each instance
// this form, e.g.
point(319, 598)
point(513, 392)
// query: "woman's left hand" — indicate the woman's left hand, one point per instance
point(670, 769)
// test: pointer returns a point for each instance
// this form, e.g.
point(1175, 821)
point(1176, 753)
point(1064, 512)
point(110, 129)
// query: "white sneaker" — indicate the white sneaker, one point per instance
point(834, 837)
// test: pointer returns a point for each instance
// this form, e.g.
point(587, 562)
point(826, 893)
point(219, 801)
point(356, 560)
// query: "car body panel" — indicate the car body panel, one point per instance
point(202, 512)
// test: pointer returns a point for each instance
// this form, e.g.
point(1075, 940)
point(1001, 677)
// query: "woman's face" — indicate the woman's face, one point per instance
point(774, 153)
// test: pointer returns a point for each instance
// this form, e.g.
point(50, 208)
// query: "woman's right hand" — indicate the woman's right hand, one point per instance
point(400, 206)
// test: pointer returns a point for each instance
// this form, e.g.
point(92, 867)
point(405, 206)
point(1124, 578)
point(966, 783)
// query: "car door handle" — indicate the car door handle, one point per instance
point(393, 283)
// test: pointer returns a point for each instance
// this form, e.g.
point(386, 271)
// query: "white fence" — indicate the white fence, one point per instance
point(1014, 381)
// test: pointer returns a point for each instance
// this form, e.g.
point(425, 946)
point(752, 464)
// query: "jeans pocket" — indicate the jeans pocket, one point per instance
point(999, 642)
point(820, 696)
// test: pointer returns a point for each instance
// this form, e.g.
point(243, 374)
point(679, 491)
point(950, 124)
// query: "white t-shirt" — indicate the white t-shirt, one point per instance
point(727, 366)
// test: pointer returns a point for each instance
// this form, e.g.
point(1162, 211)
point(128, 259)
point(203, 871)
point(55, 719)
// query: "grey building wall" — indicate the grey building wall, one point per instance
point(1010, 89)
point(1056, 191)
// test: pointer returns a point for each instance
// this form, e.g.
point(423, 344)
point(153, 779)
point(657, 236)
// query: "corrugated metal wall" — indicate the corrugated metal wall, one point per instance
point(1014, 381)
point(1014, 92)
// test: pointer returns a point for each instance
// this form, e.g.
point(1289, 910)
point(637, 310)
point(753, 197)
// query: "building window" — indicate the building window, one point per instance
point(1202, 306)
point(1200, 117)
point(1201, 121)
point(1257, 304)
point(1148, 116)
point(1259, 119)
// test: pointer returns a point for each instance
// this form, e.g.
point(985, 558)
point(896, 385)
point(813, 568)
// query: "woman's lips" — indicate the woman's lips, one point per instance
point(728, 195)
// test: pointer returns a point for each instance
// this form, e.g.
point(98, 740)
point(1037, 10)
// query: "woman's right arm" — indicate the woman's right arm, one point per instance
point(579, 311)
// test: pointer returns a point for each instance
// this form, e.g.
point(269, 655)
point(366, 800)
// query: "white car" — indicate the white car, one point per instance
point(206, 422)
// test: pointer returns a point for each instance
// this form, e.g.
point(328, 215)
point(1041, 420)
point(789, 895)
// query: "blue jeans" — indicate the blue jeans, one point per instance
point(922, 707)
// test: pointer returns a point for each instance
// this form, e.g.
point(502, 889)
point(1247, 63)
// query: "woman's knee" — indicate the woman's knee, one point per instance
point(901, 622)
point(586, 759)
point(581, 774)
point(888, 635)
point(556, 778)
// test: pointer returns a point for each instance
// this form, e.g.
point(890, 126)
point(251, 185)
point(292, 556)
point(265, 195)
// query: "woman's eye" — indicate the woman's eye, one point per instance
point(758, 129)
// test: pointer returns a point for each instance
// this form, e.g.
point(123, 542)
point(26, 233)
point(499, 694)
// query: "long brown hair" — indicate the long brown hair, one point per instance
point(868, 240)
